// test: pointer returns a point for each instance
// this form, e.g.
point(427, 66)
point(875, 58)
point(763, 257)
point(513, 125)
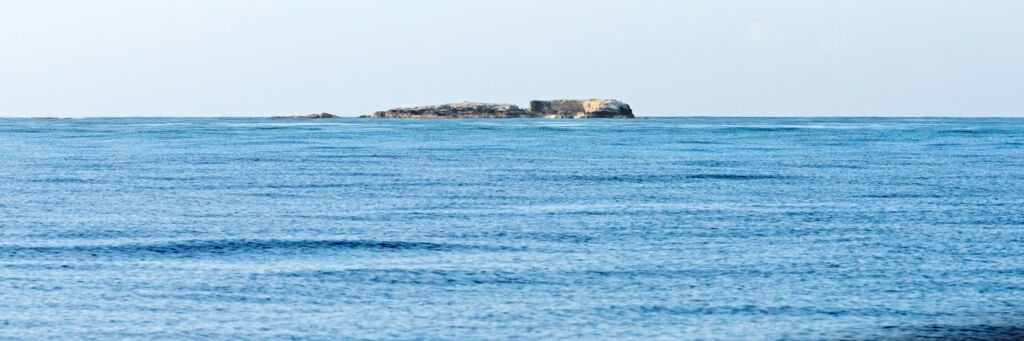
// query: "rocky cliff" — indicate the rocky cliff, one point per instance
point(563, 108)
point(581, 108)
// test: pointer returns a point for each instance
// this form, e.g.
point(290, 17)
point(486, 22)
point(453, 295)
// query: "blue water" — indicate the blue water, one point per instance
point(671, 228)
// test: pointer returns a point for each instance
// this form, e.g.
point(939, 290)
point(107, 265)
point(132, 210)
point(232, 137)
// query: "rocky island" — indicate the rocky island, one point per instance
point(561, 108)
point(320, 115)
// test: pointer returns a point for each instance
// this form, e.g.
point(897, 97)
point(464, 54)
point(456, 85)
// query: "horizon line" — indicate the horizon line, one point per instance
point(638, 116)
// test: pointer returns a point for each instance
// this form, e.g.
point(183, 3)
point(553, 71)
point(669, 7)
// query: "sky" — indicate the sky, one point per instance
point(714, 57)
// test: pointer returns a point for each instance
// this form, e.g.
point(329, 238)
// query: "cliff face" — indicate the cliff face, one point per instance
point(585, 108)
point(562, 108)
point(454, 110)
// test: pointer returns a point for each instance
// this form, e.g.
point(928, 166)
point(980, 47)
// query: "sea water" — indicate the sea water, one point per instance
point(671, 228)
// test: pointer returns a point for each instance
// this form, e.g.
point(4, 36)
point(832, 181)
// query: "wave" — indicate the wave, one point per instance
point(419, 277)
point(661, 178)
point(196, 248)
point(700, 142)
point(735, 176)
point(754, 310)
point(457, 277)
point(997, 331)
point(760, 129)
point(975, 131)
point(61, 180)
point(901, 195)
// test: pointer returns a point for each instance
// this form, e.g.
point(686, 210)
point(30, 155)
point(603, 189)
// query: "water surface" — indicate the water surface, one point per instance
point(674, 228)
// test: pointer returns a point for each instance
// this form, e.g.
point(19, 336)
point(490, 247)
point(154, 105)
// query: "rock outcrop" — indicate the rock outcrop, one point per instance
point(562, 108)
point(585, 108)
point(454, 110)
point(320, 115)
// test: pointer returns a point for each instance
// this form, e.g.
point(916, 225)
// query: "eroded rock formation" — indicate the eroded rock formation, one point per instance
point(563, 108)
point(581, 108)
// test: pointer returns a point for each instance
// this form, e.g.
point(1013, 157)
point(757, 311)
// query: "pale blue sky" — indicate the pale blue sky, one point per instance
point(257, 58)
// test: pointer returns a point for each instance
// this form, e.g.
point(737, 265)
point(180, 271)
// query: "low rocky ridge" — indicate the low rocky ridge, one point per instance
point(563, 108)
point(454, 110)
point(320, 115)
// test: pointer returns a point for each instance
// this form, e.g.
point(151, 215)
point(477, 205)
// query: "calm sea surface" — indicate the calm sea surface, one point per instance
point(672, 228)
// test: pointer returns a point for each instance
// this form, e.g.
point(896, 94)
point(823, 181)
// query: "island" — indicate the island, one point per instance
point(320, 115)
point(560, 108)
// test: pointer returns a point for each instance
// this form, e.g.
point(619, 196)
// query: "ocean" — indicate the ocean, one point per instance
point(662, 228)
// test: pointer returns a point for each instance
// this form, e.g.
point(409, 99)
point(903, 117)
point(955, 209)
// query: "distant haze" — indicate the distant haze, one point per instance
point(261, 58)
